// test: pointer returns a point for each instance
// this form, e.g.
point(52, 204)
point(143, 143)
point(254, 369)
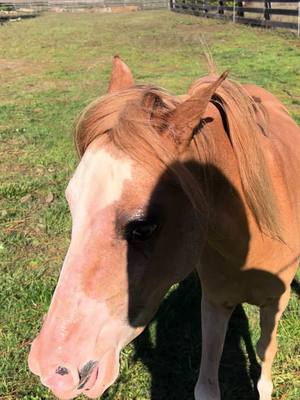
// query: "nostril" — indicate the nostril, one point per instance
point(62, 371)
point(61, 379)
point(85, 373)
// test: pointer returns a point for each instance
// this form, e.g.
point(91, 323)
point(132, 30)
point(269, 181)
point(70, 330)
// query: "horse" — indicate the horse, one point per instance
point(167, 185)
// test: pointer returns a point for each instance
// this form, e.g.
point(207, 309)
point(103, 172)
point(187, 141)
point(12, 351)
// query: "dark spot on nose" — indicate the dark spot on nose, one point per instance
point(85, 373)
point(62, 371)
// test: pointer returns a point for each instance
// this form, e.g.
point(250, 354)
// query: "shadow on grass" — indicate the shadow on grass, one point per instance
point(296, 287)
point(174, 359)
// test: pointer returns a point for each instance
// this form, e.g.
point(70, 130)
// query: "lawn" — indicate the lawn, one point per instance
point(50, 68)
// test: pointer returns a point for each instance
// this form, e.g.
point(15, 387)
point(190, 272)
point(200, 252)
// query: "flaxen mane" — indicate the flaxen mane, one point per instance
point(127, 120)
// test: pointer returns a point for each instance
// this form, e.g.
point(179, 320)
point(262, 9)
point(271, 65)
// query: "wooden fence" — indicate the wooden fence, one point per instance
point(101, 5)
point(275, 13)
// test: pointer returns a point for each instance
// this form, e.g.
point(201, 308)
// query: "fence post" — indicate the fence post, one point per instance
point(233, 17)
point(298, 18)
point(221, 4)
point(267, 6)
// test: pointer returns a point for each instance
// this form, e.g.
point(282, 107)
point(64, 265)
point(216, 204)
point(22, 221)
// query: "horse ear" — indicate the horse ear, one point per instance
point(187, 115)
point(121, 76)
point(154, 106)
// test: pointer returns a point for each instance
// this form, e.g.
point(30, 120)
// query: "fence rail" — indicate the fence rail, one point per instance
point(275, 13)
point(43, 5)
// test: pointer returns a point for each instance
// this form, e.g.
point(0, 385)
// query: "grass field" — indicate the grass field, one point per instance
point(50, 68)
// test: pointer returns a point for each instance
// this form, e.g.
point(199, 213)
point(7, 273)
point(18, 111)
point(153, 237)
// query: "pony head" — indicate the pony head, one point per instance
point(133, 205)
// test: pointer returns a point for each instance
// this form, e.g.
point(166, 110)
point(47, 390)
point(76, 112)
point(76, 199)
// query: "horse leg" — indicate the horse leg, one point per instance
point(267, 344)
point(214, 325)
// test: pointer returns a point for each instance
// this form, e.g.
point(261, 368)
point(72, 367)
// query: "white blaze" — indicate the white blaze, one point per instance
point(97, 183)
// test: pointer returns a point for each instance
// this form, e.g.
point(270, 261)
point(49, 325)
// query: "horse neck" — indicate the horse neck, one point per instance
point(218, 173)
point(212, 149)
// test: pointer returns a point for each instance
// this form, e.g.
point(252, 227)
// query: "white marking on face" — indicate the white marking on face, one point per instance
point(97, 183)
point(77, 319)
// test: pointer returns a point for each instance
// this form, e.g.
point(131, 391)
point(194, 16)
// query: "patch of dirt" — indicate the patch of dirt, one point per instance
point(112, 9)
point(12, 150)
point(19, 66)
point(44, 85)
point(15, 70)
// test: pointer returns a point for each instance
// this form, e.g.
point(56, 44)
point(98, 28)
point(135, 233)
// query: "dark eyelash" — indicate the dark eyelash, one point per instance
point(141, 230)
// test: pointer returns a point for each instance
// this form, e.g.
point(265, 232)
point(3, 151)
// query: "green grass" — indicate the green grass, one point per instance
point(50, 68)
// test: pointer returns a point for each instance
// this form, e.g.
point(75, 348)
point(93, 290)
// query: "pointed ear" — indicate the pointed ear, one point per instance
point(187, 115)
point(157, 111)
point(121, 76)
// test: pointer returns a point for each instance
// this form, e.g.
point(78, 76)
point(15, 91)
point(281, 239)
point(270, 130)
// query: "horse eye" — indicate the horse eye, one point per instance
point(140, 231)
